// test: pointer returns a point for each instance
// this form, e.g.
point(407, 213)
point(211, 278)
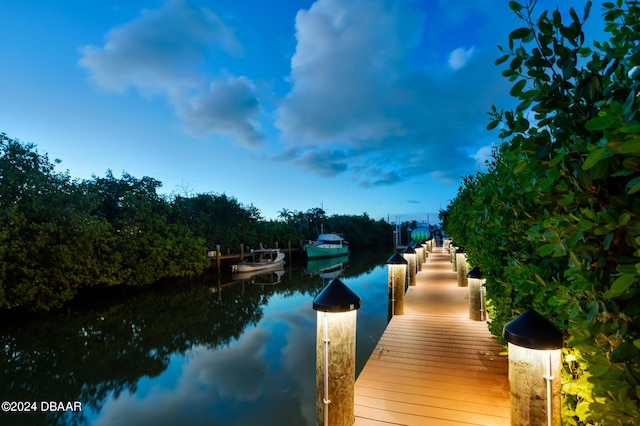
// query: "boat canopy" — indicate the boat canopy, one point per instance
point(330, 239)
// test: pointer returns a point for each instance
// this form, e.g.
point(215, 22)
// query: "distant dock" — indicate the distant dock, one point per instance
point(218, 257)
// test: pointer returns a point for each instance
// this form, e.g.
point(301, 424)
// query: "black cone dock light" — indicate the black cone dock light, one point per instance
point(336, 353)
point(476, 294)
point(410, 255)
point(534, 369)
point(397, 266)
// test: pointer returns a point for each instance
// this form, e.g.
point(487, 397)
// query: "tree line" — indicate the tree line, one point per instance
point(554, 221)
point(60, 235)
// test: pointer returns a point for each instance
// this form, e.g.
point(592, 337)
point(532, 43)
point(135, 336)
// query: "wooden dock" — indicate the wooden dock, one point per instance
point(433, 365)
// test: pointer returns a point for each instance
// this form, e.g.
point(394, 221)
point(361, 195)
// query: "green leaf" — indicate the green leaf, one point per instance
point(582, 410)
point(520, 33)
point(624, 219)
point(574, 15)
point(502, 59)
point(634, 185)
point(606, 242)
point(587, 9)
point(517, 88)
point(624, 352)
point(493, 124)
point(619, 286)
point(626, 269)
point(593, 310)
point(546, 249)
point(599, 365)
point(631, 128)
point(598, 123)
point(630, 147)
point(593, 157)
point(515, 6)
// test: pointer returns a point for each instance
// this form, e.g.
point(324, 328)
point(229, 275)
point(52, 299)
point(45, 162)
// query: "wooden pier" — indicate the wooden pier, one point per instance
point(433, 365)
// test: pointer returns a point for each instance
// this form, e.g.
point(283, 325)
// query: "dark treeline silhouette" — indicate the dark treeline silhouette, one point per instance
point(60, 235)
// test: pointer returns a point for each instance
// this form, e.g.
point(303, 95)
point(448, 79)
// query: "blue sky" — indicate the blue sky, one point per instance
point(376, 106)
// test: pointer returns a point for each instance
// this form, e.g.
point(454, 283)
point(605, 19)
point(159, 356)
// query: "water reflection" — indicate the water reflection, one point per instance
point(327, 269)
point(244, 354)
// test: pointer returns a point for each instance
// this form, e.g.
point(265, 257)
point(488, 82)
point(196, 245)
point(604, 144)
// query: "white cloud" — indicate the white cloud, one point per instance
point(460, 57)
point(229, 106)
point(346, 51)
point(365, 76)
point(165, 52)
point(484, 155)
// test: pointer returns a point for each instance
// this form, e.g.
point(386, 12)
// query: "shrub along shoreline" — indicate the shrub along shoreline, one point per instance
point(554, 221)
point(59, 235)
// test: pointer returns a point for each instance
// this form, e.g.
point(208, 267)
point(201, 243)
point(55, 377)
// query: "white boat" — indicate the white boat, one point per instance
point(263, 259)
point(327, 245)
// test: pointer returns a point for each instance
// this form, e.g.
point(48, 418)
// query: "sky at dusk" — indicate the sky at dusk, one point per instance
point(358, 106)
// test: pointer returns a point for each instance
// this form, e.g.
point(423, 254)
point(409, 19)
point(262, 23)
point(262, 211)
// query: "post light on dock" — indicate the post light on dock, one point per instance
point(336, 354)
point(397, 279)
point(476, 294)
point(420, 252)
point(461, 267)
point(534, 369)
point(452, 253)
point(409, 253)
point(419, 236)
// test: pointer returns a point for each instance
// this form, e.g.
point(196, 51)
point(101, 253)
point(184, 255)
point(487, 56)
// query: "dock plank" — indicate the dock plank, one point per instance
point(433, 365)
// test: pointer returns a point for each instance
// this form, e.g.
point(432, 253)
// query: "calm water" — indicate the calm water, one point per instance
point(200, 354)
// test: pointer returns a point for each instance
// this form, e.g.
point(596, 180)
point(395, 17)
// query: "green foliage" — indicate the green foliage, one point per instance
point(554, 222)
point(58, 236)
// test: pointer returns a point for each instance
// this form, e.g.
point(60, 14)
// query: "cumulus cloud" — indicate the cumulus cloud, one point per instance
point(355, 82)
point(211, 377)
point(484, 155)
point(228, 105)
point(165, 52)
point(235, 382)
point(460, 57)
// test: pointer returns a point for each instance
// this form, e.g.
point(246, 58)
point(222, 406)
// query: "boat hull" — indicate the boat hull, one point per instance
point(267, 259)
point(324, 252)
point(255, 268)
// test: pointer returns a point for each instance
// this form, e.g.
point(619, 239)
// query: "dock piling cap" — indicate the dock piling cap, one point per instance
point(409, 250)
point(531, 330)
point(337, 297)
point(475, 273)
point(397, 259)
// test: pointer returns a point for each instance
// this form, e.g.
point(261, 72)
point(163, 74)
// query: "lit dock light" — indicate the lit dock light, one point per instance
point(461, 267)
point(476, 295)
point(336, 353)
point(410, 255)
point(534, 369)
point(397, 266)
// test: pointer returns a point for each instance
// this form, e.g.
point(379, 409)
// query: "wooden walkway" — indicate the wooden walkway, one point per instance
point(433, 365)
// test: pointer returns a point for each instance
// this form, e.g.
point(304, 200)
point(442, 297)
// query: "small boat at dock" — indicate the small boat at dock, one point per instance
point(263, 259)
point(327, 245)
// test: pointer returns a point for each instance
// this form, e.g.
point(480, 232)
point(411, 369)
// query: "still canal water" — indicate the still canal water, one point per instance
point(199, 354)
